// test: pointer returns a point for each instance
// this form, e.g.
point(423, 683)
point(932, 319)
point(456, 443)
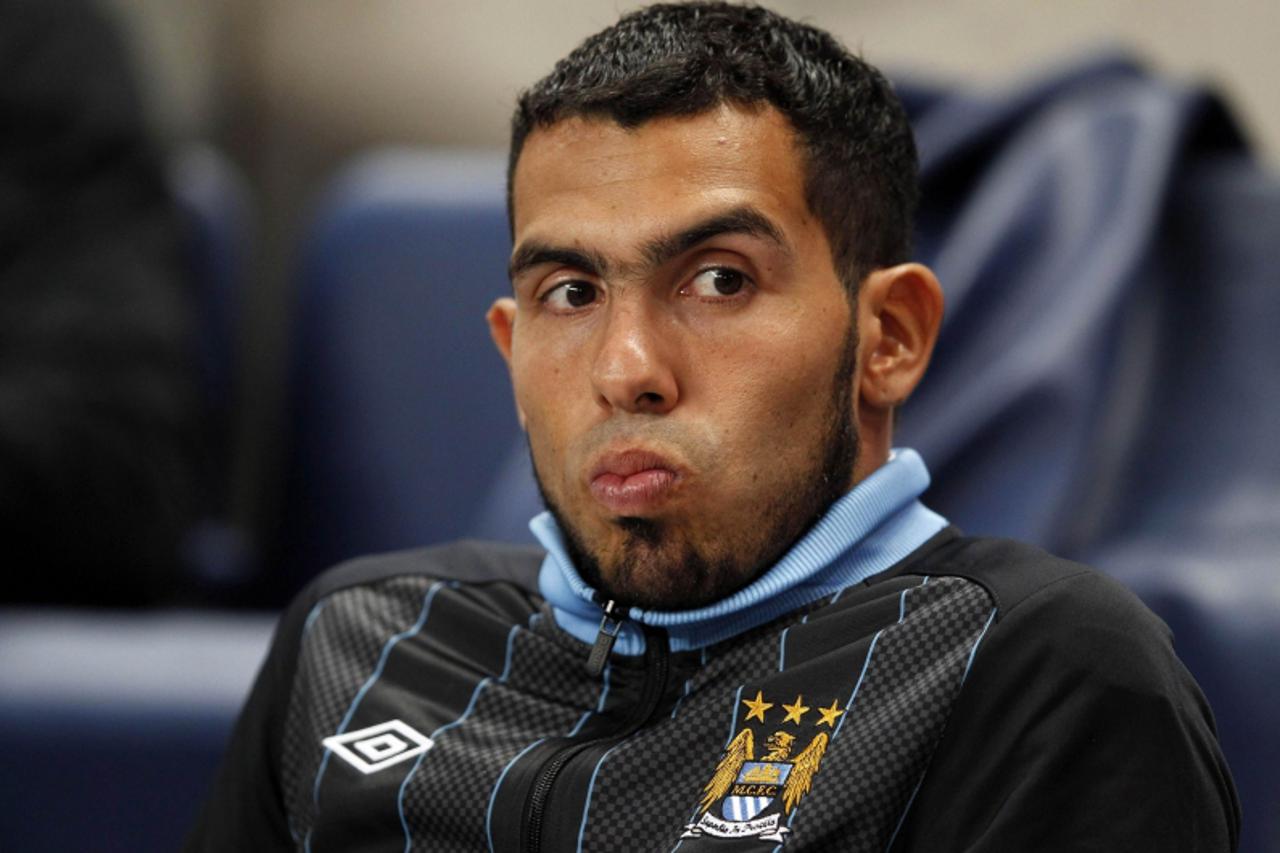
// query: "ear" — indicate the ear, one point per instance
point(900, 313)
point(502, 325)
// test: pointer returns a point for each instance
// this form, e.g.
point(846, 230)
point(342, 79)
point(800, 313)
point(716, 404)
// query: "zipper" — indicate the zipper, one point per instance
point(610, 626)
point(656, 666)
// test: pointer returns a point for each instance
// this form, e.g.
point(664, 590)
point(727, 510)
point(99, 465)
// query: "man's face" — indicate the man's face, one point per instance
point(681, 349)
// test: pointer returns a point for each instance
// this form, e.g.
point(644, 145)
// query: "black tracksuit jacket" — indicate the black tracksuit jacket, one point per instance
point(978, 696)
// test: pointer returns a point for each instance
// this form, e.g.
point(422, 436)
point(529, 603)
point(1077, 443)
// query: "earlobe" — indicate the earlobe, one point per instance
point(906, 303)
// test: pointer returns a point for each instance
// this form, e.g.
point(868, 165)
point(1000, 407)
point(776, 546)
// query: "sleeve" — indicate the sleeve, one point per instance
point(1077, 729)
point(244, 809)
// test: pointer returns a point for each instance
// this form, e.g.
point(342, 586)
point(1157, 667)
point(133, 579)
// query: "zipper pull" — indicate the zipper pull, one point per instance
point(610, 626)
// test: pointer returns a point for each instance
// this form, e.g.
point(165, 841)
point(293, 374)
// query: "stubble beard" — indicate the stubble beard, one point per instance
point(659, 568)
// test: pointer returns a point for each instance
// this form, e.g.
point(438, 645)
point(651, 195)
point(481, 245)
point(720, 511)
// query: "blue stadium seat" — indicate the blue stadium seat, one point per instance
point(401, 410)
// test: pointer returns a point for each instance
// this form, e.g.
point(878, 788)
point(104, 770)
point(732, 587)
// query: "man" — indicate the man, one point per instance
point(746, 632)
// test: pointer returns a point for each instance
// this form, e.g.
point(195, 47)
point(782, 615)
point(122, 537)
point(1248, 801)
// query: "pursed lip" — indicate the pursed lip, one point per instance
point(633, 482)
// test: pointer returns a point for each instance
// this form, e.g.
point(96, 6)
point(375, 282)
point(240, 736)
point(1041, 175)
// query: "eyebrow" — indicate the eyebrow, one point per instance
point(744, 219)
point(535, 252)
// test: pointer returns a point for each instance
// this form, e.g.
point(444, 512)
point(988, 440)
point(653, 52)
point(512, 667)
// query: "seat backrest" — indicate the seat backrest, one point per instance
point(401, 412)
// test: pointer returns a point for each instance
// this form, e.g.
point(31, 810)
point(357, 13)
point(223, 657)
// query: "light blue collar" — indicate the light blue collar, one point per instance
point(879, 522)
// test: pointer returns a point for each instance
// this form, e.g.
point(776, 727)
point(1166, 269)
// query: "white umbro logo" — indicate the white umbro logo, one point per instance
point(377, 747)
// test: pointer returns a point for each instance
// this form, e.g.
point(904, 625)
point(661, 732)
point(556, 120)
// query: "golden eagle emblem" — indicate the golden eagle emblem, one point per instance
point(755, 797)
point(774, 766)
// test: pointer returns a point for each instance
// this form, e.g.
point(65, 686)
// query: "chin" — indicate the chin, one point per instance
point(658, 568)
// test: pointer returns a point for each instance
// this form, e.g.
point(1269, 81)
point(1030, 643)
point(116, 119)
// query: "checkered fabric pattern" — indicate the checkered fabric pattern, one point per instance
point(880, 752)
point(447, 797)
point(338, 654)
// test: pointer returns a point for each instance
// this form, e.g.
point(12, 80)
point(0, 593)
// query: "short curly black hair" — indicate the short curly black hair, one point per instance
point(675, 59)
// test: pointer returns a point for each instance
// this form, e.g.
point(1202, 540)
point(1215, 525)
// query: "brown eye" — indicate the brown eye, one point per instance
point(579, 293)
point(717, 282)
point(571, 295)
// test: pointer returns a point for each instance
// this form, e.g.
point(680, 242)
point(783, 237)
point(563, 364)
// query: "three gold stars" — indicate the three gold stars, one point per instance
point(795, 711)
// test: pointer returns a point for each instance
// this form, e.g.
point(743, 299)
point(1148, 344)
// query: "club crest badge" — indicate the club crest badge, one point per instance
point(750, 797)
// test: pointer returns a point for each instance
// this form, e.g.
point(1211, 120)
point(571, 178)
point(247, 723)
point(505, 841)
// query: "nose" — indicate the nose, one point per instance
point(633, 370)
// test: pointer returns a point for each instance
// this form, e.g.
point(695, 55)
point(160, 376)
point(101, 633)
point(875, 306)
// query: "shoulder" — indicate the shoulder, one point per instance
point(1016, 574)
point(1051, 610)
point(1075, 722)
point(380, 595)
point(467, 595)
point(1026, 583)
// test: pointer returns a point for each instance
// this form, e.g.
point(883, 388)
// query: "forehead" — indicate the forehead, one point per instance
point(600, 182)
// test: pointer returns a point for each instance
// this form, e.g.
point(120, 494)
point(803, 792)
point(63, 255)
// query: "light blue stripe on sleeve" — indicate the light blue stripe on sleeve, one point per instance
point(377, 673)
